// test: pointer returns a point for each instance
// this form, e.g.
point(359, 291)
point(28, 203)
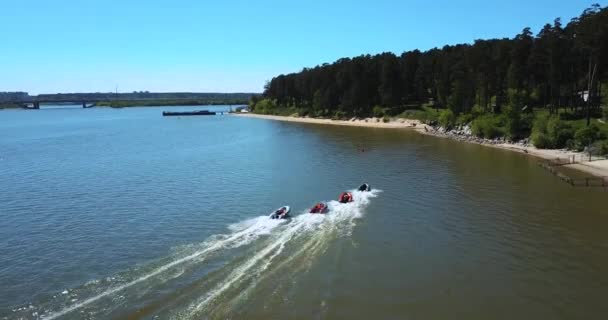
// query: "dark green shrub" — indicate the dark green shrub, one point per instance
point(464, 119)
point(551, 132)
point(321, 113)
point(447, 119)
point(516, 99)
point(527, 121)
point(585, 136)
point(559, 132)
point(487, 126)
point(429, 116)
point(476, 112)
point(378, 111)
point(580, 114)
point(569, 116)
point(540, 140)
point(394, 111)
point(339, 115)
point(513, 122)
point(410, 114)
point(540, 124)
point(601, 147)
point(265, 106)
point(386, 119)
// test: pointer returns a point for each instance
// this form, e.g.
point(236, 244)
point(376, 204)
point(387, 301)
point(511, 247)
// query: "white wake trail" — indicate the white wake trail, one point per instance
point(253, 229)
point(341, 218)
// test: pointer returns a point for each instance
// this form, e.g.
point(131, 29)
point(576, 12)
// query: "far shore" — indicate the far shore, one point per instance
point(597, 168)
point(134, 104)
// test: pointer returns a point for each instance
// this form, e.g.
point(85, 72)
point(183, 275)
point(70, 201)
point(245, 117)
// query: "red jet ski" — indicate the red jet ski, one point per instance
point(345, 197)
point(319, 208)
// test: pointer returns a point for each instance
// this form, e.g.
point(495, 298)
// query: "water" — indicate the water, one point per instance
point(125, 214)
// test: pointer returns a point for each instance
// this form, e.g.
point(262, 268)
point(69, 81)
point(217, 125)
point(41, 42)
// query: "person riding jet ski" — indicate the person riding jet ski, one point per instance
point(281, 213)
point(319, 208)
point(345, 197)
point(365, 187)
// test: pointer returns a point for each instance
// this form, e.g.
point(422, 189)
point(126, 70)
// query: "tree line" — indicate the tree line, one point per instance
point(559, 67)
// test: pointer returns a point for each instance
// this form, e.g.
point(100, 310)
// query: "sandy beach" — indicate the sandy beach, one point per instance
point(597, 168)
point(369, 122)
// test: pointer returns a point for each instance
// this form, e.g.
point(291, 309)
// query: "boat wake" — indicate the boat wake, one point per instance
point(307, 236)
point(212, 277)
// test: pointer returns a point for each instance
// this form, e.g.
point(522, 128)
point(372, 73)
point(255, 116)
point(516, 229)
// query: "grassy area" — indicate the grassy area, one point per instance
point(425, 114)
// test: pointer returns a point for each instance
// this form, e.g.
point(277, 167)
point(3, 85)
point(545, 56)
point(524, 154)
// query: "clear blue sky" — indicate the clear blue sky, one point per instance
point(232, 46)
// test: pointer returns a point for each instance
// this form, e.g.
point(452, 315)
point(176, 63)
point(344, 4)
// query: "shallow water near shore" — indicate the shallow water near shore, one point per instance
point(125, 214)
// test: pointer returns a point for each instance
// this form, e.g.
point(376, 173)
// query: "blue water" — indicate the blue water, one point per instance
point(91, 191)
point(112, 213)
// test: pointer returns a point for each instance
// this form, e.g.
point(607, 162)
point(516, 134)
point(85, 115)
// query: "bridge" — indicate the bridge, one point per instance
point(88, 100)
point(36, 103)
point(86, 103)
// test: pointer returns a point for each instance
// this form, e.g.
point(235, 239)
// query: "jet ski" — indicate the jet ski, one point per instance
point(365, 187)
point(281, 213)
point(345, 197)
point(319, 208)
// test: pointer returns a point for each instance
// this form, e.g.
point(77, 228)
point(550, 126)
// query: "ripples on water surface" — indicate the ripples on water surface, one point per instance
point(125, 214)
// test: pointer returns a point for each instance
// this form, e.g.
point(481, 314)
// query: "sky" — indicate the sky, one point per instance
point(232, 46)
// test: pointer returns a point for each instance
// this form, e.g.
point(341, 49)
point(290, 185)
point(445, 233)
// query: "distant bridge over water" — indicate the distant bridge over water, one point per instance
point(88, 100)
point(35, 104)
point(86, 103)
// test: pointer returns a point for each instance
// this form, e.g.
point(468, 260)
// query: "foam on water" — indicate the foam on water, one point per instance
point(316, 231)
point(249, 231)
point(280, 233)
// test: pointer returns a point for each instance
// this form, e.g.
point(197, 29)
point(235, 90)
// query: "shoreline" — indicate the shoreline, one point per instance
point(369, 122)
point(598, 168)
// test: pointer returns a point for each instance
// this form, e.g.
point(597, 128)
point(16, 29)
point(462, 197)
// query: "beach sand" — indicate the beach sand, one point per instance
point(369, 122)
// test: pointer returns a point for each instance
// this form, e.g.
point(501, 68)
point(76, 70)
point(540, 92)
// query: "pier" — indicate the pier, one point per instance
point(553, 165)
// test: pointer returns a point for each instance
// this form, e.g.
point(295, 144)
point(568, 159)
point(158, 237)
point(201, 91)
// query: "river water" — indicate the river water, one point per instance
point(121, 213)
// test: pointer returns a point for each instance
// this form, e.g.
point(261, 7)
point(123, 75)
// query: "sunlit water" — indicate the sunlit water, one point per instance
point(121, 213)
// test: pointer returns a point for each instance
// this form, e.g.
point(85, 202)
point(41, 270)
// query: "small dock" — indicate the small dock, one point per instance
point(552, 165)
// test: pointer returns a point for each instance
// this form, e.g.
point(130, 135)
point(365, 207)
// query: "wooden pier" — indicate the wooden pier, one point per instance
point(552, 165)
